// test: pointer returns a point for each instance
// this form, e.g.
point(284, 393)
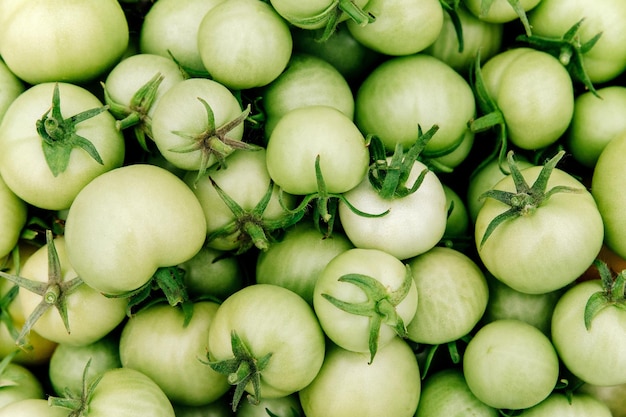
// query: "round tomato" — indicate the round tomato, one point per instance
point(311, 132)
point(452, 295)
point(13, 216)
point(127, 223)
point(607, 58)
point(10, 88)
point(558, 404)
point(446, 394)
point(46, 160)
point(388, 386)
point(170, 29)
point(364, 298)
point(253, 58)
point(61, 40)
point(405, 93)
point(267, 340)
point(592, 353)
point(170, 356)
point(307, 80)
point(18, 383)
point(531, 250)
point(402, 27)
point(499, 11)
point(318, 14)
point(609, 175)
point(535, 94)
point(33, 407)
point(509, 364)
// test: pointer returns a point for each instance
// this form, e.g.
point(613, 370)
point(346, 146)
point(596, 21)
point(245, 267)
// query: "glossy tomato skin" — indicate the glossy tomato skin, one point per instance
point(512, 253)
point(91, 315)
point(170, 356)
point(117, 238)
point(413, 225)
point(35, 40)
point(534, 92)
point(595, 356)
point(402, 27)
point(348, 330)
point(254, 58)
point(271, 319)
point(388, 386)
point(452, 296)
point(305, 133)
point(33, 407)
point(510, 364)
point(296, 261)
point(23, 165)
point(446, 394)
point(607, 59)
point(404, 92)
point(13, 216)
point(307, 80)
point(563, 405)
point(20, 383)
point(170, 29)
point(609, 175)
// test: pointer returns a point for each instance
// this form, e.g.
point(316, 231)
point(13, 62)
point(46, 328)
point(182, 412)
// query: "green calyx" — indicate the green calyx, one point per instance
point(485, 5)
point(242, 370)
point(613, 293)
point(59, 135)
point(526, 199)
point(389, 178)
point(451, 7)
point(380, 306)
point(79, 405)
point(569, 50)
point(249, 226)
point(325, 207)
point(53, 293)
point(214, 141)
point(135, 114)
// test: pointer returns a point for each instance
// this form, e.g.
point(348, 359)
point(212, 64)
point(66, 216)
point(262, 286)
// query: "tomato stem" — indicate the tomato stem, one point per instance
point(613, 293)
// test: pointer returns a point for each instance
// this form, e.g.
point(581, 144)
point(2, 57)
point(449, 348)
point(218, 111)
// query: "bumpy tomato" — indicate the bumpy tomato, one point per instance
point(127, 223)
point(60, 40)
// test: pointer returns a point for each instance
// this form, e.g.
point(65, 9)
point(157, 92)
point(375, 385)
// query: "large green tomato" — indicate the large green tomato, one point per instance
point(511, 365)
point(404, 93)
point(19, 383)
point(389, 386)
point(127, 223)
point(64, 40)
point(253, 58)
point(170, 356)
point(609, 175)
point(47, 167)
point(32, 407)
point(562, 405)
point(13, 213)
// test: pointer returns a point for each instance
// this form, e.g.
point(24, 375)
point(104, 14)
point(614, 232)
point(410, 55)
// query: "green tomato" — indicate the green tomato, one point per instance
point(33, 407)
point(509, 364)
point(458, 223)
point(404, 93)
point(307, 80)
point(67, 363)
point(534, 92)
point(609, 175)
point(61, 40)
point(170, 357)
point(13, 216)
point(402, 27)
point(170, 29)
point(452, 296)
point(607, 58)
point(212, 272)
point(499, 11)
point(446, 394)
point(25, 165)
point(577, 404)
point(18, 383)
point(592, 354)
point(298, 258)
point(253, 58)
point(288, 406)
point(10, 88)
point(596, 121)
point(388, 386)
point(127, 223)
point(306, 133)
point(314, 14)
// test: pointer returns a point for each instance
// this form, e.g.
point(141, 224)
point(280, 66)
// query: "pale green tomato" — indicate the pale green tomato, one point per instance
point(458, 221)
point(171, 27)
point(500, 11)
point(13, 214)
point(562, 405)
point(214, 273)
point(10, 88)
point(33, 407)
point(127, 223)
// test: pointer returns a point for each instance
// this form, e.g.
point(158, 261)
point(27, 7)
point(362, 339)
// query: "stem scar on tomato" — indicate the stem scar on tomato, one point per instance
point(380, 306)
point(527, 198)
point(613, 293)
point(568, 50)
point(78, 405)
point(59, 135)
point(53, 293)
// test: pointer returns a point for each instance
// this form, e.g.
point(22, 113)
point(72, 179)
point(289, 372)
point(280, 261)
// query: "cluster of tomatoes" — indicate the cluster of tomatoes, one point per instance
point(312, 208)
